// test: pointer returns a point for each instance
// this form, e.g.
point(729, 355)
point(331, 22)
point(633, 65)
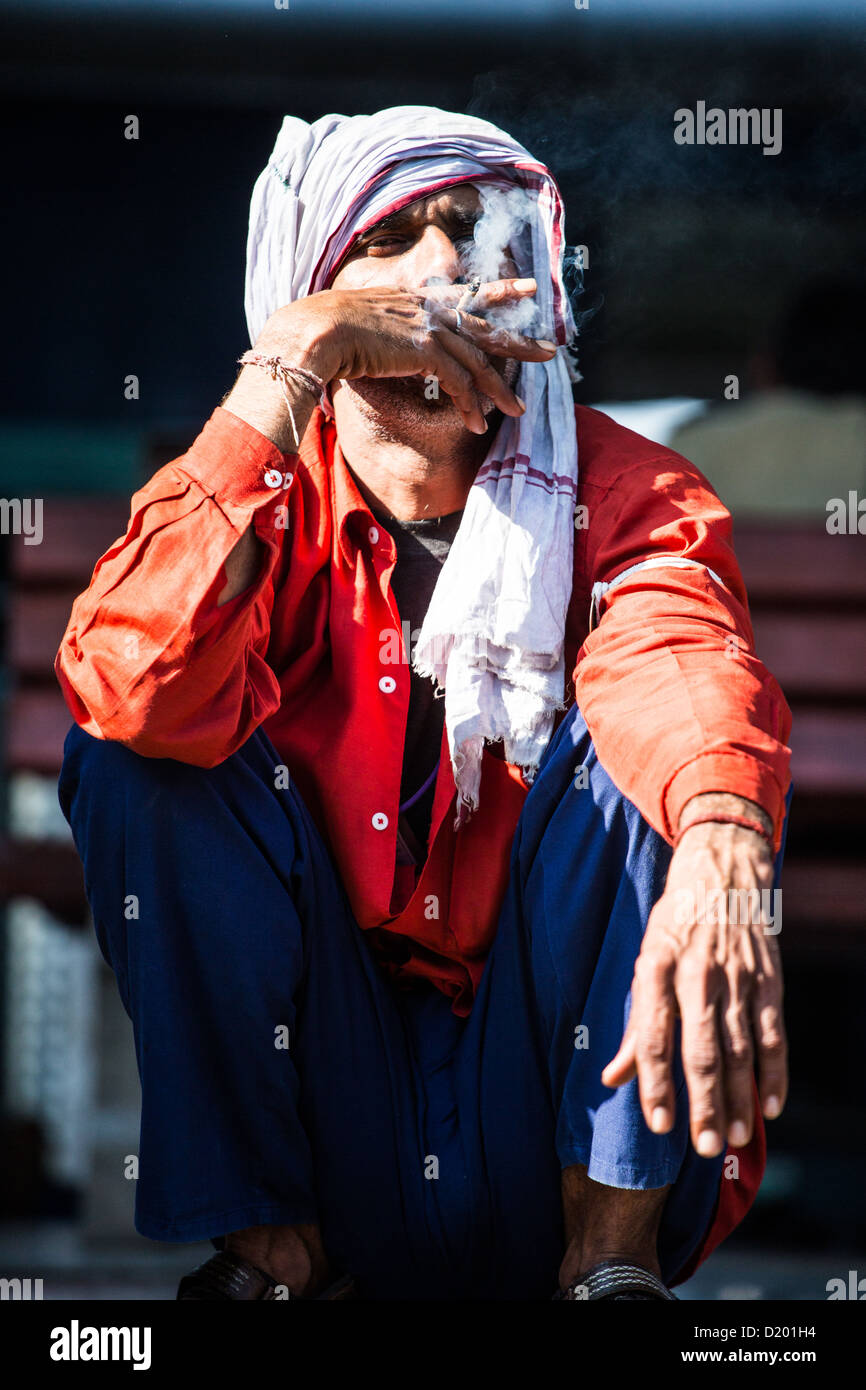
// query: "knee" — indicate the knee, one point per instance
point(86, 759)
point(579, 821)
point(82, 752)
point(99, 771)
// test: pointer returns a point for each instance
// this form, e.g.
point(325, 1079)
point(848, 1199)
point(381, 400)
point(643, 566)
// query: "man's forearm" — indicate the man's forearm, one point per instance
point(258, 399)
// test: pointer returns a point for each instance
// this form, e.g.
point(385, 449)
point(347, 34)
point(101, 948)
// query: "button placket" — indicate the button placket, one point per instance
point(387, 684)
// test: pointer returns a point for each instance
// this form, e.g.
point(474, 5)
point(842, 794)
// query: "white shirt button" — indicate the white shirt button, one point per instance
point(380, 821)
point(373, 534)
point(387, 683)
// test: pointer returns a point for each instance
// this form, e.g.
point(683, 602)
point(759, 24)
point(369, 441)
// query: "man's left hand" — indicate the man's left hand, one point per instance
point(718, 967)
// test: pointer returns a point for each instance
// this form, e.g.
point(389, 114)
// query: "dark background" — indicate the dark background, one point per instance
point(128, 257)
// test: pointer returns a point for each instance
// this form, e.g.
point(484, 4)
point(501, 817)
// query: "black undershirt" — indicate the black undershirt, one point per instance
point(422, 548)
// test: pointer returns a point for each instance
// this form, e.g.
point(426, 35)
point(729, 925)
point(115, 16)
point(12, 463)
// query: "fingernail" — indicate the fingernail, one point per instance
point(708, 1144)
point(546, 344)
point(524, 284)
point(772, 1107)
point(738, 1133)
point(521, 403)
point(659, 1120)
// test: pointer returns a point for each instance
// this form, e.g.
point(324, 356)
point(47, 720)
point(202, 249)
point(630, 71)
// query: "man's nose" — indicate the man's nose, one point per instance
point(436, 257)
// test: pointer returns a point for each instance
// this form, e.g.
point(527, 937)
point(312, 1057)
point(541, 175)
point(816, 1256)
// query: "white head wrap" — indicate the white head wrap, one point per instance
point(493, 634)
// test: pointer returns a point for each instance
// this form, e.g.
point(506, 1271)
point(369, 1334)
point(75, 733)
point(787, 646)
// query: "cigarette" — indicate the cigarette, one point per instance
point(471, 290)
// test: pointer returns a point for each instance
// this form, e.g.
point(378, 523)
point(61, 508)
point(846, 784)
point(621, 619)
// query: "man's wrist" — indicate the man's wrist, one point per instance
point(256, 399)
point(723, 804)
point(259, 398)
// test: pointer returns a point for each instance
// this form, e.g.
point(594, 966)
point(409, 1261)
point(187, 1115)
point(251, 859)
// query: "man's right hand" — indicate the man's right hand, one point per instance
point(349, 333)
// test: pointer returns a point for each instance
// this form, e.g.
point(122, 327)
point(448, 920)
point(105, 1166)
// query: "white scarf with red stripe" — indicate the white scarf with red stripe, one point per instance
point(493, 635)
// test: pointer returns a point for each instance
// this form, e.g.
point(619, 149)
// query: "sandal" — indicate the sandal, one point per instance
point(227, 1276)
point(615, 1282)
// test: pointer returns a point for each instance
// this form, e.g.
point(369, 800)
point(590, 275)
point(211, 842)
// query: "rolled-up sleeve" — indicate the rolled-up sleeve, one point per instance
point(673, 693)
point(149, 659)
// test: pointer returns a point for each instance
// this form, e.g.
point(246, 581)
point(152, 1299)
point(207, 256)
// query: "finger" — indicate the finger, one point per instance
point(457, 383)
point(490, 293)
point(493, 292)
point(737, 1054)
point(771, 1044)
point(485, 377)
point(698, 989)
point(654, 1020)
point(499, 342)
point(623, 1067)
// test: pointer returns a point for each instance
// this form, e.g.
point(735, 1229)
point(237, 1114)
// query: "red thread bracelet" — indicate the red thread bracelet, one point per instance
point(283, 372)
point(723, 818)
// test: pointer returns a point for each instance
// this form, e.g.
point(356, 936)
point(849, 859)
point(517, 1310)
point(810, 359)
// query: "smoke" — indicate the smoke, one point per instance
point(501, 248)
point(660, 219)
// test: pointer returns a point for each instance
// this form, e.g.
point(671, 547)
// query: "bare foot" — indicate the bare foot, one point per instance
point(608, 1223)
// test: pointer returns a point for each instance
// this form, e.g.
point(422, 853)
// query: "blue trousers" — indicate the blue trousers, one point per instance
point(285, 1077)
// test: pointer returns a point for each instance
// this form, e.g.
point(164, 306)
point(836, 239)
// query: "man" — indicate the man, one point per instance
point(421, 997)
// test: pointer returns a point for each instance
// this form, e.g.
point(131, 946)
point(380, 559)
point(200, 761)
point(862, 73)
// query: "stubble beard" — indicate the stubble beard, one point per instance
point(403, 408)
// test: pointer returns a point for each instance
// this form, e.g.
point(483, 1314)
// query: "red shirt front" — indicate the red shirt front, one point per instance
point(673, 695)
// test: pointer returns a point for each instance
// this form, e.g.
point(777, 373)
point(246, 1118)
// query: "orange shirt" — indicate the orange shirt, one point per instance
point(673, 695)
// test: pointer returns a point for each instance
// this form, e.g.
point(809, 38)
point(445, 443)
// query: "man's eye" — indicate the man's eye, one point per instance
point(384, 243)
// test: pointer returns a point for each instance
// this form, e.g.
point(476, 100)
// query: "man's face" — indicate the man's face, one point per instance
point(428, 242)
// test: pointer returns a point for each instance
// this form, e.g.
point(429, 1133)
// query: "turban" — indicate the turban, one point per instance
point(493, 636)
